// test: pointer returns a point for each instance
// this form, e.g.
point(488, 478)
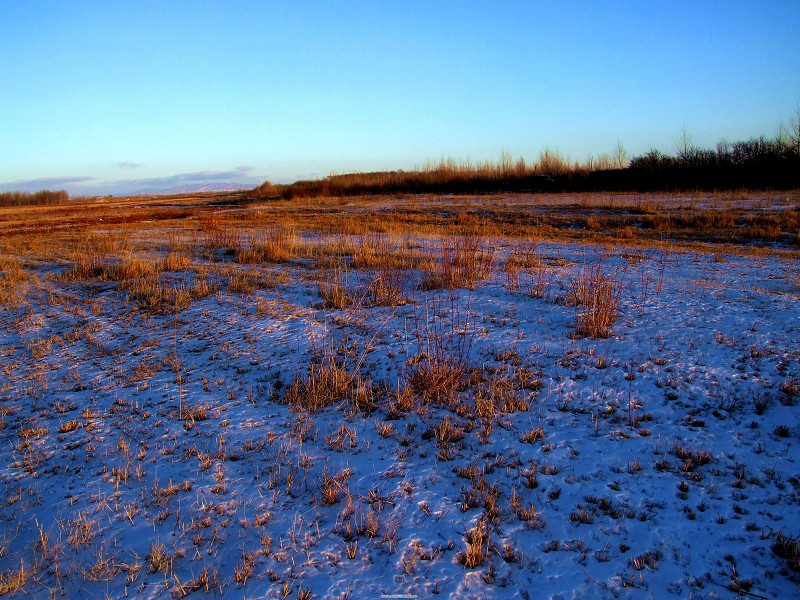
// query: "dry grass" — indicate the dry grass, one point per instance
point(478, 545)
point(275, 245)
point(462, 262)
point(14, 580)
point(158, 559)
point(534, 435)
point(436, 382)
point(439, 367)
point(786, 547)
point(331, 378)
point(161, 296)
point(524, 255)
point(175, 260)
point(15, 281)
point(220, 240)
point(388, 288)
point(649, 219)
point(327, 382)
point(372, 251)
point(158, 296)
point(248, 280)
point(598, 296)
point(338, 290)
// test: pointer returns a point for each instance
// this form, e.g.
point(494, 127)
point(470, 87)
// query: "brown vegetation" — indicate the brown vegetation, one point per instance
point(449, 394)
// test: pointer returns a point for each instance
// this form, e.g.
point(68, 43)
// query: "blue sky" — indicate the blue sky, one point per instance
point(111, 97)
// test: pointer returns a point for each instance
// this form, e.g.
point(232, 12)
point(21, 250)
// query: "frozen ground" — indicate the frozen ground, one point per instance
point(155, 456)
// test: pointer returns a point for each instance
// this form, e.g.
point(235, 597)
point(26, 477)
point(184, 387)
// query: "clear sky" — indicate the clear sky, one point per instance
point(110, 97)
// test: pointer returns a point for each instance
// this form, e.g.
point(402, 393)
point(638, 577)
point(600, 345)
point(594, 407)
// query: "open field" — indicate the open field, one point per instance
point(492, 396)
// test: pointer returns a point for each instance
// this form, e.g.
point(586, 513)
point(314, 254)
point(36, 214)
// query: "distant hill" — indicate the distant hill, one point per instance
point(225, 186)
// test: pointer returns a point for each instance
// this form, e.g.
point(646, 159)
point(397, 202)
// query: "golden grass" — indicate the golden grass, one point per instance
point(270, 232)
point(598, 296)
point(275, 244)
point(461, 263)
point(380, 254)
point(94, 265)
point(154, 252)
point(160, 296)
point(14, 281)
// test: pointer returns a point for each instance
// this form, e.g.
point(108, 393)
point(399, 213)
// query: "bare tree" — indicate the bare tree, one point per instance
point(620, 156)
point(794, 131)
point(506, 163)
point(685, 146)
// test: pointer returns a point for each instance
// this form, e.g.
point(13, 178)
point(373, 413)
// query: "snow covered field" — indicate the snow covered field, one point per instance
point(285, 430)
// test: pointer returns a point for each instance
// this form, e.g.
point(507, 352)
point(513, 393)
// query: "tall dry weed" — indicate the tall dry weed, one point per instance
point(463, 262)
point(439, 366)
point(276, 244)
point(598, 296)
point(332, 377)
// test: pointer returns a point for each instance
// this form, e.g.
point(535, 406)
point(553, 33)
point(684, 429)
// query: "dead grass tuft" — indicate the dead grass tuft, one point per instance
point(158, 559)
point(159, 295)
point(337, 290)
point(464, 261)
point(598, 296)
point(156, 295)
point(14, 580)
point(786, 547)
point(478, 543)
point(14, 281)
point(387, 289)
point(332, 377)
point(440, 365)
point(275, 245)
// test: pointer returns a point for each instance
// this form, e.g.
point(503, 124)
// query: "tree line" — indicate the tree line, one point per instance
point(757, 163)
point(33, 198)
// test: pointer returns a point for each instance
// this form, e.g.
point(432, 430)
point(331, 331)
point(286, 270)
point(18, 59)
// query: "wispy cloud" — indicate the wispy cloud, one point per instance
point(240, 177)
point(128, 165)
point(192, 177)
point(44, 183)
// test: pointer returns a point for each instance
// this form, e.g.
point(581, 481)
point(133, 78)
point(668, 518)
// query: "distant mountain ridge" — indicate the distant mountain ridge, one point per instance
point(219, 186)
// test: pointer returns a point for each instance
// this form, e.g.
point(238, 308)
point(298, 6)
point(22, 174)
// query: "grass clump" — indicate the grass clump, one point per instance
point(327, 382)
point(332, 377)
point(276, 245)
point(441, 363)
point(478, 543)
point(786, 547)
point(598, 296)
point(336, 289)
point(157, 295)
point(14, 281)
point(387, 289)
point(464, 261)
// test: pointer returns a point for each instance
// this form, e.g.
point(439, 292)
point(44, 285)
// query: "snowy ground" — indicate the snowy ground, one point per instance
point(155, 455)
